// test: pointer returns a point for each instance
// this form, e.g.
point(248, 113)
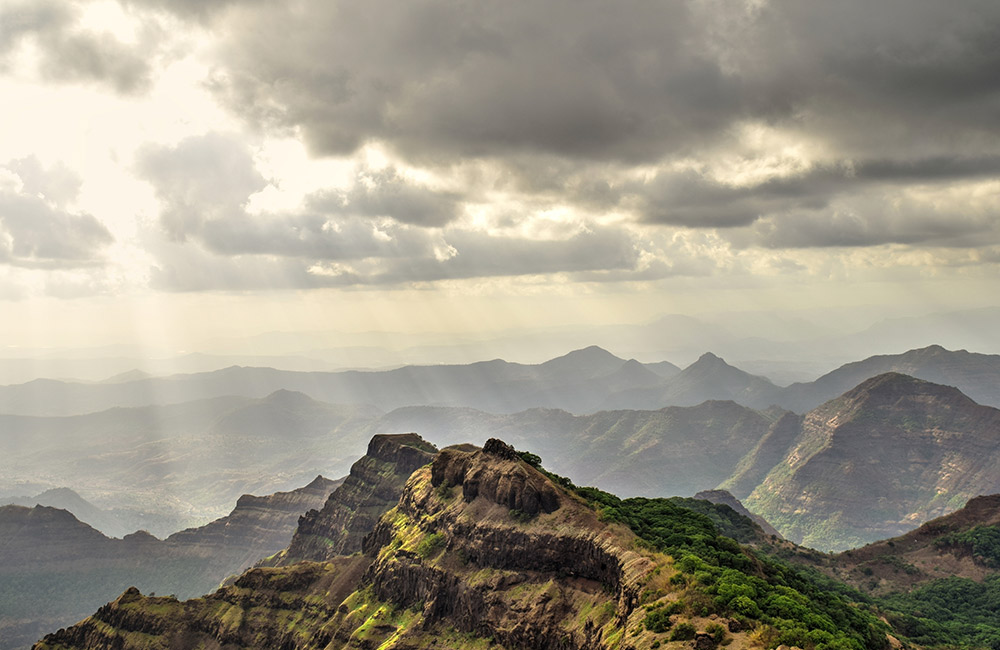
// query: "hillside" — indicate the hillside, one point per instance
point(976, 375)
point(484, 550)
point(57, 569)
point(372, 488)
point(886, 456)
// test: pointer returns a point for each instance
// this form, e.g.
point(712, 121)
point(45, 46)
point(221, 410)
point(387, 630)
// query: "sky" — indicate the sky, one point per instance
point(179, 172)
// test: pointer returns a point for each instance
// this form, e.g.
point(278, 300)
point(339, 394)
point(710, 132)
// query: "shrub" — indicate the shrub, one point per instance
point(683, 632)
point(430, 544)
point(657, 621)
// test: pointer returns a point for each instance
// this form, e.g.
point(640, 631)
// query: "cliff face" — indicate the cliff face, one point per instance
point(352, 510)
point(481, 550)
point(874, 463)
point(257, 527)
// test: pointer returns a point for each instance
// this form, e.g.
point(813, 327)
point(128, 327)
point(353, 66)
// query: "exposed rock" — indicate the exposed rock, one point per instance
point(350, 512)
point(509, 482)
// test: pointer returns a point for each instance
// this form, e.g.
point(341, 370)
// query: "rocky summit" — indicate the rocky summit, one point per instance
point(351, 511)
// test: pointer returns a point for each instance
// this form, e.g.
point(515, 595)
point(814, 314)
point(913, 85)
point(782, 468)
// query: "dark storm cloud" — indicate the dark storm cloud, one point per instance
point(610, 81)
point(68, 53)
point(581, 79)
point(37, 229)
point(892, 96)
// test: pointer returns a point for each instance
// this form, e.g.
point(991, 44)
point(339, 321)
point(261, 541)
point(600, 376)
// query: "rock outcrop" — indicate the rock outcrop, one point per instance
point(351, 511)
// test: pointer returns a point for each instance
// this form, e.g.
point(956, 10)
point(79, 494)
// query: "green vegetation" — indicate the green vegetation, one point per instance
point(803, 607)
point(683, 632)
point(657, 621)
point(430, 545)
point(982, 542)
point(949, 612)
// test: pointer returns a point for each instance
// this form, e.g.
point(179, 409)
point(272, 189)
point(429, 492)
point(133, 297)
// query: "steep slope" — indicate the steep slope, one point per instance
point(56, 569)
point(483, 550)
point(958, 545)
point(351, 511)
point(874, 463)
point(257, 527)
point(723, 497)
point(976, 375)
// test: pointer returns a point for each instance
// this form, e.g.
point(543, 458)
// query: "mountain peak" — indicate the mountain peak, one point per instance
point(591, 361)
point(894, 385)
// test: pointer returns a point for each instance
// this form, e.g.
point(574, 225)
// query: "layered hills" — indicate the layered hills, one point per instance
point(57, 569)
point(582, 381)
point(170, 467)
point(875, 462)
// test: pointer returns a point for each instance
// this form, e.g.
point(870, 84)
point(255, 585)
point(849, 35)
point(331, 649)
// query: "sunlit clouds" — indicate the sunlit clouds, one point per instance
point(159, 150)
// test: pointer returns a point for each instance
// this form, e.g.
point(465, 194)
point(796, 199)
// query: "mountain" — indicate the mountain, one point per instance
point(976, 375)
point(64, 498)
point(889, 454)
point(708, 378)
point(56, 569)
point(956, 545)
point(725, 498)
point(485, 550)
point(672, 451)
point(372, 488)
point(574, 381)
point(257, 527)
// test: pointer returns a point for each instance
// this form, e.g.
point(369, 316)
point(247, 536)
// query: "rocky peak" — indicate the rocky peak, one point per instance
point(407, 449)
point(373, 487)
point(498, 474)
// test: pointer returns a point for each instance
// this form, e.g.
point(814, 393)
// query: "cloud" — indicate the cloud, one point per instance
point(632, 81)
point(67, 52)
point(434, 79)
point(37, 229)
point(381, 230)
point(383, 193)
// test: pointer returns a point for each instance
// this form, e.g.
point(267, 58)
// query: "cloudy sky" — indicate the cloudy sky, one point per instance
point(187, 169)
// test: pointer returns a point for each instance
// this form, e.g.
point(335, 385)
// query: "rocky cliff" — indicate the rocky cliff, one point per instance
point(351, 511)
point(257, 527)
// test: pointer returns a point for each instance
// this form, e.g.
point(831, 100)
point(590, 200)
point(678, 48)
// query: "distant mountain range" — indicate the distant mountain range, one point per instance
point(188, 460)
point(583, 381)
